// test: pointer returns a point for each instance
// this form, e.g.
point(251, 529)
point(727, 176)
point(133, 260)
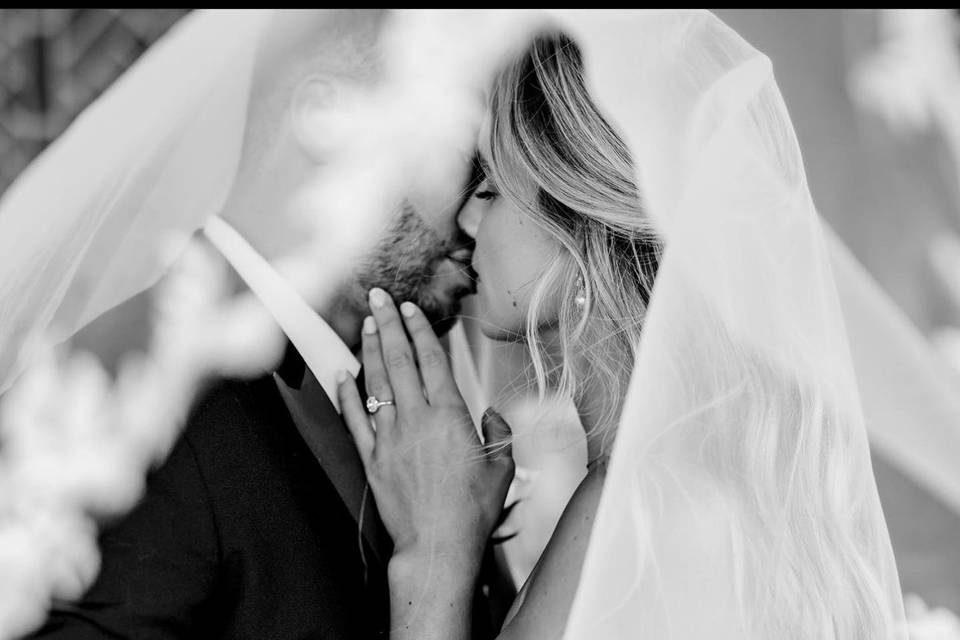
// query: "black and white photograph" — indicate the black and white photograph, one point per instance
point(476, 324)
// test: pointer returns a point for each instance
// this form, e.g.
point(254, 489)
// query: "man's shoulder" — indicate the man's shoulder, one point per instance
point(232, 398)
point(241, 435)
point(232, 406)
point(234, 420)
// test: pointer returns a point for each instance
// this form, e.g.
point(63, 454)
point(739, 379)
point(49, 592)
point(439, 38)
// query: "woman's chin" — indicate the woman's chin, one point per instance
point(496, 331)
point(496, 323)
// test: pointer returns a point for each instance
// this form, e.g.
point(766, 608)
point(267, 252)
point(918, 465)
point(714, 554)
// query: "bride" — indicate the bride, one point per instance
point(566, 260)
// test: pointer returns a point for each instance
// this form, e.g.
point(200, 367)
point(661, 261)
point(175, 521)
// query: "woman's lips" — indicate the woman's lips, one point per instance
point(464, 258)
point(461, 271)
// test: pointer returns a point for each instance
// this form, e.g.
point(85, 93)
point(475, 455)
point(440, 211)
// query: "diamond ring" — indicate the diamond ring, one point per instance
point(373, 405)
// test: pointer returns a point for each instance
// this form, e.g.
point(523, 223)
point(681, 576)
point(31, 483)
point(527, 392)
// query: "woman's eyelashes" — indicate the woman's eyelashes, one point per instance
point(485, 191)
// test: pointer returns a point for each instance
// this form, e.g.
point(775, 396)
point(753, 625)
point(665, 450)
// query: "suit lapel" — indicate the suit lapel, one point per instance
point(322, 428)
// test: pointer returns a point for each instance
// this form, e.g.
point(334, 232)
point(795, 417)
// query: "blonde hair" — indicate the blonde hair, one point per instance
point(545, 127)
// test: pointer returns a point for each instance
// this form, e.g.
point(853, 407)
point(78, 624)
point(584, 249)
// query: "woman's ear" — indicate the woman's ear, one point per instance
point(315, 99)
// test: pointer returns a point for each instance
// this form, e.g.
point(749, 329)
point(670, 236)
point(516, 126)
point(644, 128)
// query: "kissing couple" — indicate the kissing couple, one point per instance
point(631, 208)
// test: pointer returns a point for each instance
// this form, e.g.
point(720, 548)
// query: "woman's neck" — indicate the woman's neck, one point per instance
point(589, 399)
point(590, 408)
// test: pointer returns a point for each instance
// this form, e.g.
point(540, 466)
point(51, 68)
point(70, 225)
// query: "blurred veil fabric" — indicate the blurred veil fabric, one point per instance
point(100, 215)
point(740, 501)
point(106, 209)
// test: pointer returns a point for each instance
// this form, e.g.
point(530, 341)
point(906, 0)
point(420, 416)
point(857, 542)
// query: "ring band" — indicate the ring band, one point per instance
point(373, 405)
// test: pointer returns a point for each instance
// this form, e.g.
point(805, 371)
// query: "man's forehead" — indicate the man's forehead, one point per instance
point(441, 200)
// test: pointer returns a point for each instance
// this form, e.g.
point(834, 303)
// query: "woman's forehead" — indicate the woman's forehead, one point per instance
point(483, 139)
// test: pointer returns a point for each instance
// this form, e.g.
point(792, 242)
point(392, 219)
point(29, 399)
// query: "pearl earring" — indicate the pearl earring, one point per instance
point(581, 298)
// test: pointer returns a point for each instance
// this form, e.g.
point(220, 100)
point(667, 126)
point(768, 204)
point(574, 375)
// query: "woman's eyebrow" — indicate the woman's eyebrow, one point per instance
point(484, 165)
point(479, 171)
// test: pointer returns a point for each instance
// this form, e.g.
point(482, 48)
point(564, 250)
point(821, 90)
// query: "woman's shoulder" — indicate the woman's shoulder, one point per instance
point(689, 541)
point(541, 607)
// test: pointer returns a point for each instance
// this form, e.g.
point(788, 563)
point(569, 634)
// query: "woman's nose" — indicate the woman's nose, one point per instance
point(469, 218)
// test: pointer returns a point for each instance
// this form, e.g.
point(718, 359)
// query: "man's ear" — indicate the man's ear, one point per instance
point(314, 101)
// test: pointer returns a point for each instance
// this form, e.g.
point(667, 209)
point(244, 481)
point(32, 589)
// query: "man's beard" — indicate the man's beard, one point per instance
point(405, 264)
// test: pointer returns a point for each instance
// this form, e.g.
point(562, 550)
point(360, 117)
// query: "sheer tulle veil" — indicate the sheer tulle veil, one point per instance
point(740, 500)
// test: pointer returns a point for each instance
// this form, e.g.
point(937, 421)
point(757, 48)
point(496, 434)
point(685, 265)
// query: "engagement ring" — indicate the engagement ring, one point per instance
point(373, 405)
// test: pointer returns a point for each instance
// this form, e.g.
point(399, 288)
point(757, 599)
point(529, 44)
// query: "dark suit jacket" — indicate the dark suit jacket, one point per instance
point(250, 529)
point(240, 535)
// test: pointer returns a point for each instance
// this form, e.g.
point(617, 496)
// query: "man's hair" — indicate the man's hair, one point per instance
point(340, 44)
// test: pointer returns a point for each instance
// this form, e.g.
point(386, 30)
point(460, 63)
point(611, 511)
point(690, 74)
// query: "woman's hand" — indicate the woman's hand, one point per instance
point(439, 490)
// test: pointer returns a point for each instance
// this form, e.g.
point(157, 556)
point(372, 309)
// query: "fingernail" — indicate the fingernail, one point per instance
point(341, 376)
point(378, 297)
point(408, 309)
point(369, 325)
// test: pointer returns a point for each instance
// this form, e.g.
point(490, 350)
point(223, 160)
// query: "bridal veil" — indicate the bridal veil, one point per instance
point(740, 500)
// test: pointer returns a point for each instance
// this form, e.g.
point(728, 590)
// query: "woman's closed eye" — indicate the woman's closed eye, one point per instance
point(485, 191)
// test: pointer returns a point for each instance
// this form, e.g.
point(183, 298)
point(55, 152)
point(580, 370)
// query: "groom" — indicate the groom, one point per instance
point(258, 524)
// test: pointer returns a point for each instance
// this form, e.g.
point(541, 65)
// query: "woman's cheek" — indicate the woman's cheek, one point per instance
point(511, 256)
point(500, 305)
